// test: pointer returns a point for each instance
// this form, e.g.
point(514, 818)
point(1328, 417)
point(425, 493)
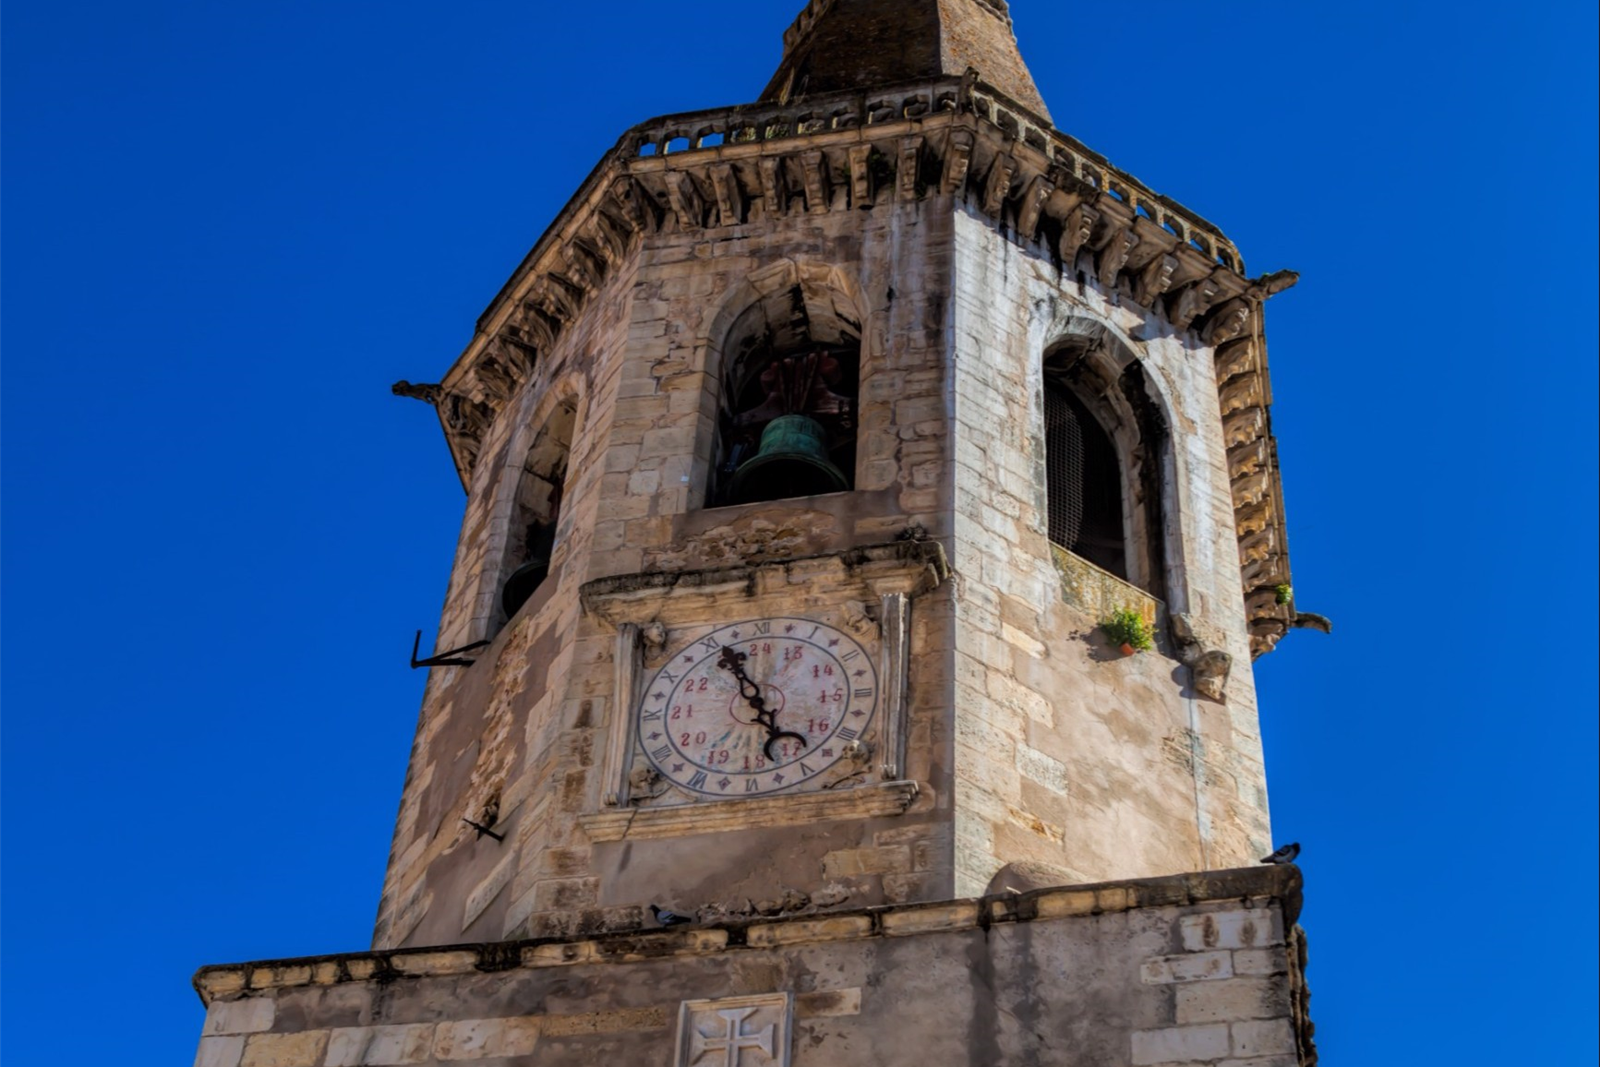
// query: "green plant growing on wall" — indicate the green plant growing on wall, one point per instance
point(1126, 628)
point(1284, 593)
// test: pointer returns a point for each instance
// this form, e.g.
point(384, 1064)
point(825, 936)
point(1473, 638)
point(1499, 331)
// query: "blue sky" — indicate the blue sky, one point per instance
point(228, 227)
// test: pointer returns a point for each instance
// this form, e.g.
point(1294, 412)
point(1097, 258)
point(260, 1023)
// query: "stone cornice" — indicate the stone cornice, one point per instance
point(1255, 885)
point(713, 170)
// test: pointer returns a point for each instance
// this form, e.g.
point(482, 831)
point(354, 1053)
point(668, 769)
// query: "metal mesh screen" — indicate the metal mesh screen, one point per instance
point(1063, 458)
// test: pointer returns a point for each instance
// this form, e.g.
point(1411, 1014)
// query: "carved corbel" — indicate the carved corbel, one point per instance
point(1075, 234)
point(1240, 393)
point(1033, 201)
point(1258, 546)
point(611, 234)
point(1235, 358)
point(495, 380)
point(685, 197)
point(1113, 256)
point(1200, 645)
point(730, 198)
point(957, 160)
point(1251, 520)
point(633, 204)
point(1228, 322)
point(908, 172)
point(584, 265)
point(1191, 302)
point(518, 356)
point(860, 156)
point(774, 195)
point(1154, 279)
point(1250, 488)
point(814, 173)
point(1247, 458)
point(1154, 242)
point(998, 187)
point(1243, 426)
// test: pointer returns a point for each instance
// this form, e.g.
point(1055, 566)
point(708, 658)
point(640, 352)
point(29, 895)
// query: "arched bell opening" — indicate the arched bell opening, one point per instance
point(788, 407)
point(536, 512)
point(1105, 440)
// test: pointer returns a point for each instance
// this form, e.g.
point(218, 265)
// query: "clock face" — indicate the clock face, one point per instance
point(701, 718)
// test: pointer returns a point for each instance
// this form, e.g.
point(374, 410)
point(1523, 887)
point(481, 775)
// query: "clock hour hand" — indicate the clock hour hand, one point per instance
point(733, 662)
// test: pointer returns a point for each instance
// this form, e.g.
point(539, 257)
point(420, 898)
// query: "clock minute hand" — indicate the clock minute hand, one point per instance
point(733, 661)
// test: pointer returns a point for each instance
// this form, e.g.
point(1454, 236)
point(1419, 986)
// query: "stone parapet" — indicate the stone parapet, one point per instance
point(1191, 969)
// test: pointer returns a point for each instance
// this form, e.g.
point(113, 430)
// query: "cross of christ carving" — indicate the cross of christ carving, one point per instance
point(732, 1042)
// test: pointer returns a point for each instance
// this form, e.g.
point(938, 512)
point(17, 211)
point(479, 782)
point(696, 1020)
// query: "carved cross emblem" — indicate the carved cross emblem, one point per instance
point(727, 1048)
point(745, 1031)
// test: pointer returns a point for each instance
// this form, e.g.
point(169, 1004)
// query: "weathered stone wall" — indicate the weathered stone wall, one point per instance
point(529, 720)
point(1178, 972)
point(1028, 738)
point(1067, 752)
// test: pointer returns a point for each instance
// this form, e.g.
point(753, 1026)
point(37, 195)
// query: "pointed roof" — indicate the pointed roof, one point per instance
point(840, 45)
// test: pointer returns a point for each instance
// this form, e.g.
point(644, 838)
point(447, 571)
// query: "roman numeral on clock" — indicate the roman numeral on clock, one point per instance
point(763, 627)
point(864, 694)
point(661, 754)
point(848, 656)
point(847, 733)
point(709, 645)
point(752, 785)
point(698, 780)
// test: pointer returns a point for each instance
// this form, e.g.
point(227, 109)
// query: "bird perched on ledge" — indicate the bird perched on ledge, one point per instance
point(667, 918)
point(1286, 854)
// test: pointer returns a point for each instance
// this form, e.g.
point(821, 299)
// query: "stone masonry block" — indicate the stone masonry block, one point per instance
point(220, 1051)
point(1268, 1037)
point(1260, 961)
point(249, 1016)
point(1232, 999)
point(1252, 928)
point(285, 1050)
point(380, 1046)
point(1199, 967)
point(1179, 1044)
point(473, 1039)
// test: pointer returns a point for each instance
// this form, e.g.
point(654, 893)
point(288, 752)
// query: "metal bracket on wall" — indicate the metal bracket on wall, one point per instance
point(443, 659)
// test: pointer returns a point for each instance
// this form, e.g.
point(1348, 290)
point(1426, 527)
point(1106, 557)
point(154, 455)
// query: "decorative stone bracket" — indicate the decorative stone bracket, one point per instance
point(960, 137)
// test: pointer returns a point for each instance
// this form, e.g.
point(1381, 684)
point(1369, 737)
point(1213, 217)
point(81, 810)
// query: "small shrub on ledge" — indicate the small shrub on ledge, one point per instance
point(1126, 629)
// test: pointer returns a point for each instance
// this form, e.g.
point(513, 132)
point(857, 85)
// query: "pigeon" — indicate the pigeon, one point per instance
point(1286, 854)
point(667, 918)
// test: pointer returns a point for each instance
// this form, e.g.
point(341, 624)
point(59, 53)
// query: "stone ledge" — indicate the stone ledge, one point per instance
point(1252, 884)
point(715, 816)
point(910, 567)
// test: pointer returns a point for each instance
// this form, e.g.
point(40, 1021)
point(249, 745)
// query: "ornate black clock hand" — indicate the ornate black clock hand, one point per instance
point(732, 661)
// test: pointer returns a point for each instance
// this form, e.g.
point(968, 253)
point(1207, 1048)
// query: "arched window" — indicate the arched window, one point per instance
point(536, 513)
point(786, 423)
point(1085, 483)
point(1105, 448)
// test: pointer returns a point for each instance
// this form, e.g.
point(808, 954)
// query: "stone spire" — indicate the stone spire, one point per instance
point(838, 45)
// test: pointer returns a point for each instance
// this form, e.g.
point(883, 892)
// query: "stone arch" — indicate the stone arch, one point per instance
point(530, 521)
point(788, 339)
point(1100, 369)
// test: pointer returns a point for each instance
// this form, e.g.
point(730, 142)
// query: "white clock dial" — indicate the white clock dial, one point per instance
point(700, 728)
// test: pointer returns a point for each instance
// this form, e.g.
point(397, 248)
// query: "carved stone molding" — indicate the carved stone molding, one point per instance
point(715, 169)
point(716, 816)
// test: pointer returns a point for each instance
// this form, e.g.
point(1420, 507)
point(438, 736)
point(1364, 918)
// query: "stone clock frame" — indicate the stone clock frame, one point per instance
point(872, 586)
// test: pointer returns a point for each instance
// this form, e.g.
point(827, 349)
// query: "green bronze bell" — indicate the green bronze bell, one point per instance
point(792, 461)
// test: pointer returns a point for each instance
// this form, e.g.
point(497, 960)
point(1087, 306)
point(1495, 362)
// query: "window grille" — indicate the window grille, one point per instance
point(1084, 483)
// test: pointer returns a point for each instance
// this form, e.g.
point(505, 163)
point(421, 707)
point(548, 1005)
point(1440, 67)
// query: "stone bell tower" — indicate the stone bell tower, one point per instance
point(810, 457)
